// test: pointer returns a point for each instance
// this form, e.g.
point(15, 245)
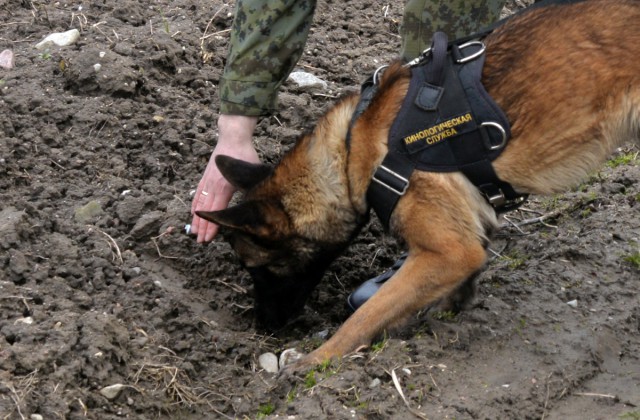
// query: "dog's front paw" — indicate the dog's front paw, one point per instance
point(299, 365)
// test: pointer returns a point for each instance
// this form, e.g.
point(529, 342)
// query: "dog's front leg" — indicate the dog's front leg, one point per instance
point(425, 277)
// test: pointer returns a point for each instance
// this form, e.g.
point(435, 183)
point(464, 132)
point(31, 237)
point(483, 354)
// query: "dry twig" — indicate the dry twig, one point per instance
point(396, 383)
point(112, 243)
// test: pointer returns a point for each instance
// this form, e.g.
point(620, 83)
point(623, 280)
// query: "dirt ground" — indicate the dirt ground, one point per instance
point(100, 286)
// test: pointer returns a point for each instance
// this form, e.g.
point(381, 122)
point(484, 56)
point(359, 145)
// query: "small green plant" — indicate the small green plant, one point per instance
point(265, 409)
point(585, 213)
point(310, 379)
point(633, 259)
point(514, 260)
point(631, 415)
point(324, 366)
point(624, 159)
point(522, 323)
point(444, 315)
point(165, 22)
point(380, 345)
point(45, 55)
point(551, 203)
point(291, 395)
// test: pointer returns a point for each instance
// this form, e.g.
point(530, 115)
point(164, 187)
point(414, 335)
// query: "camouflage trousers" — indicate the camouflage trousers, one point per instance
point(268, 38)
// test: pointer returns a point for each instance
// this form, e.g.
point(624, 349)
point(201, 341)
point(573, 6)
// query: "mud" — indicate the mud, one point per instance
point(101, 286)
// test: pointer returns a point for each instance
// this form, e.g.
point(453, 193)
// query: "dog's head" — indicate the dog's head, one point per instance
point(284, 264)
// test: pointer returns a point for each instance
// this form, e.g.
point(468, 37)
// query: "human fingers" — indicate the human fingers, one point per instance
point(220, 201)
point(202, 200)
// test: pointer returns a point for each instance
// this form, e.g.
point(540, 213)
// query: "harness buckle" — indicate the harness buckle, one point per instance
point(496, 200)
point(402, 183)
point(475, 54)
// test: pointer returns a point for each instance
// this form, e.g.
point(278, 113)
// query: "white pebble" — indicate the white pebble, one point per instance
point(307, 80)
point(573, 303)
point(28, 320)
point(268, 362)
point(61, 39)
point(97, 67)
point(187, 229)
point(7, 59)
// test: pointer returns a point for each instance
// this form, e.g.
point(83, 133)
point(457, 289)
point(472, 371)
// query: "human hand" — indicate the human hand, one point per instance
point(214, 191)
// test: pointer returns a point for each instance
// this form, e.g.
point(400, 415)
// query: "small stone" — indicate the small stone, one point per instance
point(88, 212)
point(375, 383)
point(27, 320)
point(36, 417)
point(7, 59)
point(573, 303)
point(268, 362)
point(322, 334)
point(147, 225)
point(97, 67)
point(306, 80)
point(112, 391)
point(60, 39)
point(289, 356)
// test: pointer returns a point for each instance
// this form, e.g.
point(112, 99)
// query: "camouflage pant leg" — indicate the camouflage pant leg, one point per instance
point(456, 18)
point(267, 40)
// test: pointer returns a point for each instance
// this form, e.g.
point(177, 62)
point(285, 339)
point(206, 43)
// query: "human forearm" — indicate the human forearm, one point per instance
point(266, 42)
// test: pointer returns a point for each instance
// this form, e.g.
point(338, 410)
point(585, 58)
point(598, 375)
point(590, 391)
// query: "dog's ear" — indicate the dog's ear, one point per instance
point(241, 174)
point(255, 217)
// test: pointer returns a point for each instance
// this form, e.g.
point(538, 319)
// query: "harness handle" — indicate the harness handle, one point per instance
point(436, 69)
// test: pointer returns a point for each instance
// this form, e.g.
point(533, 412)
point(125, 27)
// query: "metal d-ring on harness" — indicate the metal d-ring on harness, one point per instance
point(447, 123)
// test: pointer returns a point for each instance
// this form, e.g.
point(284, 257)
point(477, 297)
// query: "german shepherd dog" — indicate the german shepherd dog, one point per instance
point(568, 79)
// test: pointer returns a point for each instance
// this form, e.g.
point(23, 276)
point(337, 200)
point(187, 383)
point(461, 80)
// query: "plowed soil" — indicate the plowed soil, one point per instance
point(101, 146)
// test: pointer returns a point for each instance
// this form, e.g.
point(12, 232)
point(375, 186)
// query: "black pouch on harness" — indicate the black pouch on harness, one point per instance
point(447, 122)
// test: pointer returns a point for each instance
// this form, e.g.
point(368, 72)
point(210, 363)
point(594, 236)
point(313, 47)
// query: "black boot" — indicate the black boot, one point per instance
point(369, 287)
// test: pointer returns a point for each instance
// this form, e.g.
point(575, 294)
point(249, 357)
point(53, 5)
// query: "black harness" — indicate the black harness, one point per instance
point(447, 123)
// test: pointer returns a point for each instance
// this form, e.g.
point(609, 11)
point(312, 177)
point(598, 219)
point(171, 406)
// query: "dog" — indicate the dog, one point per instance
point(568, 79)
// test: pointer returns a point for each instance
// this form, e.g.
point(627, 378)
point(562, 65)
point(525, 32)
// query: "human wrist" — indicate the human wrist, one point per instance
point(236, 129)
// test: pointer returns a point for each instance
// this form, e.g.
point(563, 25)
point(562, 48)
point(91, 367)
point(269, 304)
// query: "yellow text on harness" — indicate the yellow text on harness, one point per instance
point(440, 131)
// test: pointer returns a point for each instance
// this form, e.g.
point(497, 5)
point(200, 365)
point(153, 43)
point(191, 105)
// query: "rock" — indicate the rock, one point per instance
point(268, 362)
point(88, 212)
point(289, 356)
point(573, 303)
point(112, 391)
point(322, 334)
point(375, 383)
point(13, 223)
point(60, 39)
point(147, 225)
point(36, 417)
point(7, 59)
point(307, 80)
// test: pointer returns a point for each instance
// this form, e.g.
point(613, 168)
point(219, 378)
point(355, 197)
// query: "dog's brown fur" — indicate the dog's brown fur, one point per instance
point(568, 78)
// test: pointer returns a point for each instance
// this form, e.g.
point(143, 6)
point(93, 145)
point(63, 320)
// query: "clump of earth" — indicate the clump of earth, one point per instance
point(108, 309)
